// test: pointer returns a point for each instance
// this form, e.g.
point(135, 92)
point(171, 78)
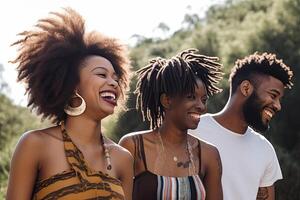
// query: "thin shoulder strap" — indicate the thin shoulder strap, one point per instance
point(142, 151)
point(199, 147)
point(136, 151)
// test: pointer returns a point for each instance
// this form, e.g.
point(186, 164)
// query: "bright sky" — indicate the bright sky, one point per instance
point(120, 19)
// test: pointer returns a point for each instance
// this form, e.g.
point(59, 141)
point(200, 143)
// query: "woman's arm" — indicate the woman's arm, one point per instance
point(126, 174)
point(213, 174)
point(128, 144)
point(127, 177)
point(24, 167)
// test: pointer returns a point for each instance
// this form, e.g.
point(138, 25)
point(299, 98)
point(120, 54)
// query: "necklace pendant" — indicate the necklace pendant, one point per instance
point(175, 158)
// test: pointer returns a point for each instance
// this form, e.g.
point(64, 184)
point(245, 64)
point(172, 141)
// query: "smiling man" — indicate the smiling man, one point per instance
point(250, 164)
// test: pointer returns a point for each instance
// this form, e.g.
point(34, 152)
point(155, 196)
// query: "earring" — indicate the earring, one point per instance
point(75, 111)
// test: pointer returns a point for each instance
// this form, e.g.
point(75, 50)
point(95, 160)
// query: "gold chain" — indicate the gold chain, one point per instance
point(189, 150)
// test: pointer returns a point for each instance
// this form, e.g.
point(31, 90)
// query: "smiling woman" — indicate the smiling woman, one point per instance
point(75, 79)
point(170, 163)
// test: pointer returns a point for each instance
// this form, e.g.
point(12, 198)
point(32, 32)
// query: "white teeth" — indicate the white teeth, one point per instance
point(108, 94)
point(269, 113)
point(196, 116)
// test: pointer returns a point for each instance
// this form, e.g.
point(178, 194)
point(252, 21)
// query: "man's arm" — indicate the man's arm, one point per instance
point(266, 193)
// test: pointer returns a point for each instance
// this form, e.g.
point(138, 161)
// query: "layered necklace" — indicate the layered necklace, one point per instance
point(185, 164)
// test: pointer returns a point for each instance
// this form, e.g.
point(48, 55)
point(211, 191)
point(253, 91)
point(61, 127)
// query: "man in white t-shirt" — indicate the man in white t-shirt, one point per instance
point(250, 164)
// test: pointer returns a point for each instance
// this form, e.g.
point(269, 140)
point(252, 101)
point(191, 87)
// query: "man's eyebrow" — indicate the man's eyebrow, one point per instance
point(275, 91)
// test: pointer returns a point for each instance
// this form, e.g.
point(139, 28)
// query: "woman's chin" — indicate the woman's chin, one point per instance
point(193, 126)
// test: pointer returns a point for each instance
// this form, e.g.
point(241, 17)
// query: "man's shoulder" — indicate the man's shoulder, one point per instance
point(260, 139)
point(258, 136)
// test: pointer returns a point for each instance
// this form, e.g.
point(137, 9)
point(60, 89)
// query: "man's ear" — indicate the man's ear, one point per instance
point(165, 101)
point(246, 88)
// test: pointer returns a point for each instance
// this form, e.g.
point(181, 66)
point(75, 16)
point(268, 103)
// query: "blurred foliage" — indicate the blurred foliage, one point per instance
point(230, 31)
point(14, 120)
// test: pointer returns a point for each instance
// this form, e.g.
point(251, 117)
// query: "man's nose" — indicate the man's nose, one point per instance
point(277, 105)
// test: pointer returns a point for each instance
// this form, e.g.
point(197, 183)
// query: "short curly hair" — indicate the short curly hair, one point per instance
point(49, 57)
point(263, 64)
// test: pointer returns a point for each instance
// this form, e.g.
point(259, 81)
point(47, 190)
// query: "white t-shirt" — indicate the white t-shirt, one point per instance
point(249, 161)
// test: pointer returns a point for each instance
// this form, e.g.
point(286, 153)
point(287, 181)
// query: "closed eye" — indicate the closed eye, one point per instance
point(101, 75)
point(204, 100)
point(273, 96)
point(191, 96)
point(117, 80)
point(274, 93)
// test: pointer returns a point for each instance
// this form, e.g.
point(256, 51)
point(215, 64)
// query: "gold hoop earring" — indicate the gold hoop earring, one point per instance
point(75, 111)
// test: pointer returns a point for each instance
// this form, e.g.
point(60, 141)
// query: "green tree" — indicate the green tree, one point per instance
point(14, 120)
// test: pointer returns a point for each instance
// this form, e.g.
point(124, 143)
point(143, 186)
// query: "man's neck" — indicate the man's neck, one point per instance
point(232, 118)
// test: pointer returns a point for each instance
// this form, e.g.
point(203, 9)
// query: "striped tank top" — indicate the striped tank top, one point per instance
point(150, 186)
point(79, 182)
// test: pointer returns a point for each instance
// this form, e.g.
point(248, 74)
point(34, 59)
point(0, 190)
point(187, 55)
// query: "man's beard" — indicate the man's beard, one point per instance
point(252, 111)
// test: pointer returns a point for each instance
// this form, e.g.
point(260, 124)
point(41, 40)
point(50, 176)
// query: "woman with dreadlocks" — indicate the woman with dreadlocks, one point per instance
point(168, 162)
point(74, 78)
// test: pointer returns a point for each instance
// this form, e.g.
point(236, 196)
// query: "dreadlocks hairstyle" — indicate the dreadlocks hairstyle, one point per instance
point(49, 57)
point(264, 64)
point(174, 76)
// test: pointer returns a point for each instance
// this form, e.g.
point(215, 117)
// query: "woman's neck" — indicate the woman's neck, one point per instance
point(172, 134)
point(83, 131)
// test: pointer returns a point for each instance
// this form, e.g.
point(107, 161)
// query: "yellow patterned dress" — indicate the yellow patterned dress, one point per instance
point(80, 182)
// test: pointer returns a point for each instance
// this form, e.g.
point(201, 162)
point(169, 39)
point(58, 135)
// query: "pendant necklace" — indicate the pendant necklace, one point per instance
point(175, 158)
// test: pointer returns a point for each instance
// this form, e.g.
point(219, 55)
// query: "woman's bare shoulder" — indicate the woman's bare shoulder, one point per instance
point(128, 136)
point(37, 139)
point(206, 147)
point(113, 146)
point(127, 140)
point(121, 156)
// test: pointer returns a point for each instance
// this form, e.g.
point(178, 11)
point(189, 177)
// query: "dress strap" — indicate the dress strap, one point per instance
point(74, 156)
point(141, 141)
point(136, 151)
point(199, 147)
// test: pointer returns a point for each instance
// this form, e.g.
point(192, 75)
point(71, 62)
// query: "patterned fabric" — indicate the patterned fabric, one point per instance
point(183, 188)
point(150, 186)
point(80, 182)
